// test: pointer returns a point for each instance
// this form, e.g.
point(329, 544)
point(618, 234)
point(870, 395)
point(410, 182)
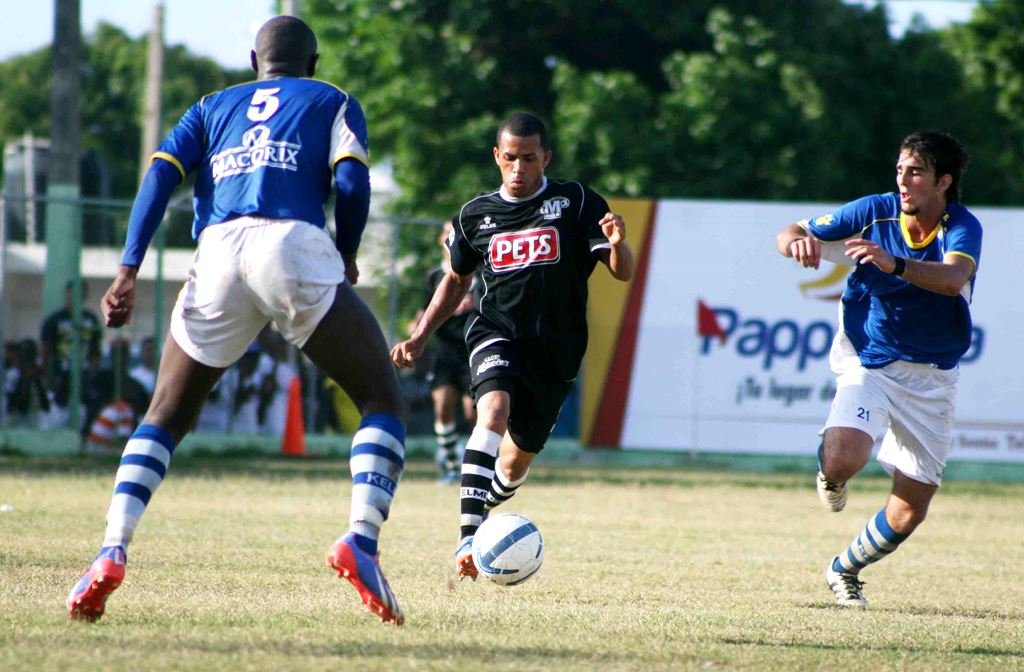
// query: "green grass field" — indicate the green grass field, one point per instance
point(644, 570)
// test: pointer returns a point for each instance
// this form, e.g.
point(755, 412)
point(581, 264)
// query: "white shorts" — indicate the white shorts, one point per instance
point(248, 272)
point(907, 408)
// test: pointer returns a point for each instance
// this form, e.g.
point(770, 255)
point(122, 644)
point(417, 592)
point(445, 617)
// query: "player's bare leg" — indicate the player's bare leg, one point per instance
point(182, 386)
point(511, 470)
point(903, 513)
point(843, 452)
point(478, 466)
point(349, 347)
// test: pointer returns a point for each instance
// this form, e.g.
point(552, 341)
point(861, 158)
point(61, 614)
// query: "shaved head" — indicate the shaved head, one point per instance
point(285, 45)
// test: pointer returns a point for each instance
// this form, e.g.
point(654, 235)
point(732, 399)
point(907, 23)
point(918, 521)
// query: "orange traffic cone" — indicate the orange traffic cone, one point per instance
point(294, 440)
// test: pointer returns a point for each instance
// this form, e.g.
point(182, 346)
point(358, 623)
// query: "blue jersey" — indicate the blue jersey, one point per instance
point(266, 148)
point(887, 318)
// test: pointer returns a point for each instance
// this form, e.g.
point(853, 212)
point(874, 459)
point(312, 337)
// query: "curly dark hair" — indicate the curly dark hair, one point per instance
point(942, 152)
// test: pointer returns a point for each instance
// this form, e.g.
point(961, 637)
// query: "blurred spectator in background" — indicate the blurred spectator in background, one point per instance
point(114, 402)
point(215, 416)
point(233, 403)
point(24, 386)
point(56, 339)
point(245, 406)
point(275, 373)
point(144, 370)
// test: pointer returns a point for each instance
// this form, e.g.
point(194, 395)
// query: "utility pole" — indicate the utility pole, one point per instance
point(63, 212)
point(153, 106)
point(290, 7)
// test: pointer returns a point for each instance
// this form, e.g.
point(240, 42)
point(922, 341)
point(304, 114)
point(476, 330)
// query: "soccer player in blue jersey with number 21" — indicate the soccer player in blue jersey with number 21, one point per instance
point(265, 156)
point(905, 322)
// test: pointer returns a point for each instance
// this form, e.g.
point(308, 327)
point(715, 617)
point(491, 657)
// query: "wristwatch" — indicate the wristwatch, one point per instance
point(901, 266)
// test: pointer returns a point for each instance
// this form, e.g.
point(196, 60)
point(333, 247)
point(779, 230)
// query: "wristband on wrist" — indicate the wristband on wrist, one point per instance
point(901, 266)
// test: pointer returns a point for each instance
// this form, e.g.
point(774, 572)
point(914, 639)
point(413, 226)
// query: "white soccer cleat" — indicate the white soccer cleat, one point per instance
point(848, 589)
point(832, 495)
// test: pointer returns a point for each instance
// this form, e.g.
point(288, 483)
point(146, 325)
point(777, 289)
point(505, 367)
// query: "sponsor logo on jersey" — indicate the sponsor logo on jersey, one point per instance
point(824, 220)
point(489, 362)
point(257, 151)
point(488, 224)
point(552, 208)
point(518, 249)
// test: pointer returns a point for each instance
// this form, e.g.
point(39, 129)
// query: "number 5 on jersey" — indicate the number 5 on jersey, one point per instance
point(264, 104)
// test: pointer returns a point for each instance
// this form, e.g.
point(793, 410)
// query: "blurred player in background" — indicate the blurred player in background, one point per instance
point(266, 154)
point(56, 340)
point(905, 322)
point(449, 369)
point(535, 242)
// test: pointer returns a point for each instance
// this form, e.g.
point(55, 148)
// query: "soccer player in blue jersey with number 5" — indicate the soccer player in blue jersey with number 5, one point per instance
point(905, 322)
point(265, 154)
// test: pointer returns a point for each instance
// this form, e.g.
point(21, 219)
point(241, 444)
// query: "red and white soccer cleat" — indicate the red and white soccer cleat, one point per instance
point(363, 571)
point(464, 565)
point(88, 598)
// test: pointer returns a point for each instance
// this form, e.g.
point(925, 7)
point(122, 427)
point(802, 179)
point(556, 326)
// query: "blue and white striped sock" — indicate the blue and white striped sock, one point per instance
point(376, 462)
point(875, 541)
point(144, 464)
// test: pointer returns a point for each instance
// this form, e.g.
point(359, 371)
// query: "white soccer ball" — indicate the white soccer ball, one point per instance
point(508, 549)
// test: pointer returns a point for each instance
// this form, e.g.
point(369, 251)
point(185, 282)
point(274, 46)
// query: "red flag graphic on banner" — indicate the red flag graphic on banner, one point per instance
point(707, 322)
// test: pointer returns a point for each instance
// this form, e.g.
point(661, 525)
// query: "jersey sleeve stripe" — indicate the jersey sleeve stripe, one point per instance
point(965, 256)
point(170, 159)
point(350, 155)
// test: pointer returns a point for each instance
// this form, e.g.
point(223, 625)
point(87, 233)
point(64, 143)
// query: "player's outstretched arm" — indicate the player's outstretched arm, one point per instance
point(946, 277)
point(794, 242)
point(446, 299)
point(620, 260)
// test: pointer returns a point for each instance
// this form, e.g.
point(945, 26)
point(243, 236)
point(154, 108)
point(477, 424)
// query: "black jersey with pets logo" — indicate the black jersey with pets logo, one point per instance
point(535, 256)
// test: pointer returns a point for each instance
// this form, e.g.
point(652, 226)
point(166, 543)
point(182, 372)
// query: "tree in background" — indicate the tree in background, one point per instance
point(794, 99)
point(990, 50)
point(112, 86)
point(743, 99)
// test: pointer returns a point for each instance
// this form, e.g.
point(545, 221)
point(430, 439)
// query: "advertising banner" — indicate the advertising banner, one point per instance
point(721, 344)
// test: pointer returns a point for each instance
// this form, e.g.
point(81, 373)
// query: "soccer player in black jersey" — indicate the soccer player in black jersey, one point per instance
point(535, 242)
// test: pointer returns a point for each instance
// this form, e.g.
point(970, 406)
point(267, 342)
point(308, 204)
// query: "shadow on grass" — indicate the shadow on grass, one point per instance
point(861, 645)
point(946, 612)
point(259, 464)
point(560, 657)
